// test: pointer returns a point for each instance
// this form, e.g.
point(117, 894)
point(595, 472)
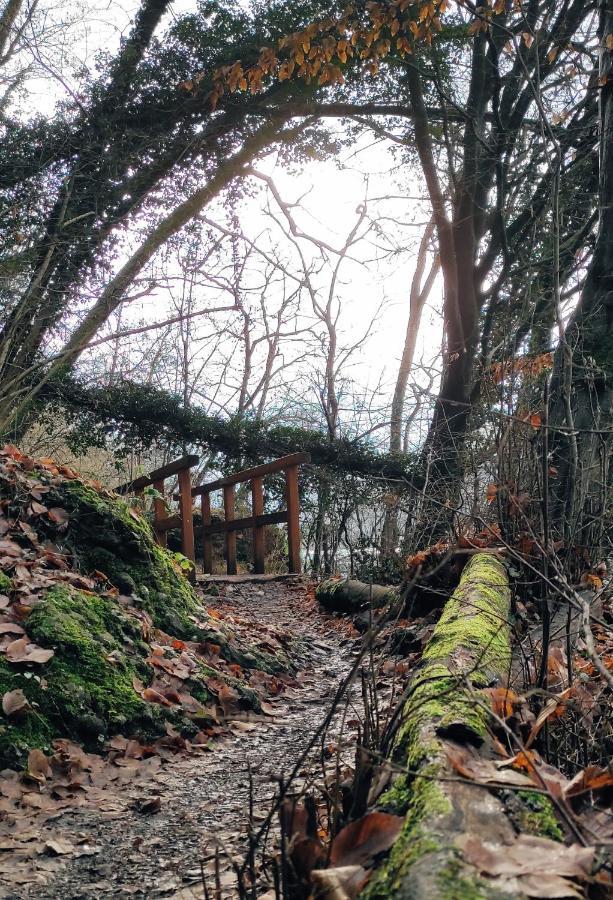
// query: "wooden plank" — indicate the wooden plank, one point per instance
point(187, 519)
point(257, 506)
point(293, 518)
point(275, 518)
point(173, 468)
point(228, 504)
point(207, 543)
point(249, 578)
point(159, 514)
point(295, 459)
point(168, 523)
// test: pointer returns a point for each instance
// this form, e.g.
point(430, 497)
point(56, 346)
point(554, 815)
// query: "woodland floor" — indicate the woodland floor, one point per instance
point(118, 851)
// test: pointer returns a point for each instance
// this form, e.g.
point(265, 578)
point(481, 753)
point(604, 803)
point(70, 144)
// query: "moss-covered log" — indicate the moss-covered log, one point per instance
point(351, 596)
point(469, 650)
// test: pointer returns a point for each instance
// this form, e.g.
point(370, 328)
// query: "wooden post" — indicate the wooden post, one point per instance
point(207, 541)
point(257, 508)
point(293, 518)
point(159, 513)
point(187, 519)
point(228, 505)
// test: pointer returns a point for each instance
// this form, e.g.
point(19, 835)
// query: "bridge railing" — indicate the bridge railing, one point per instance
point(257, 521)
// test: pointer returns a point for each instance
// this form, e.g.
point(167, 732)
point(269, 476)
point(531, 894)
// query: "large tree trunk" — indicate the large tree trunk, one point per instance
point(582, 383)
point(469, 650)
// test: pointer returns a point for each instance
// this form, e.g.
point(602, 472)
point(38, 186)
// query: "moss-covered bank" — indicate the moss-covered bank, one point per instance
point(85, 578)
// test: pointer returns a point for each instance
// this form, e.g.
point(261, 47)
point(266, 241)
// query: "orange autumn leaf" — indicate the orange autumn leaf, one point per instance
point(153, 696)
point(503, 701)
point(417, 559)
point(593, 581)
point(525, 759)
point(492, 491)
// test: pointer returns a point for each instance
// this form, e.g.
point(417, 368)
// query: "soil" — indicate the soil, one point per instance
point(157, 836)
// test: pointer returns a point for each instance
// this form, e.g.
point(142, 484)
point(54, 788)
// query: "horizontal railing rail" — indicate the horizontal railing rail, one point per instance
point(161, 474)
point(278, 465)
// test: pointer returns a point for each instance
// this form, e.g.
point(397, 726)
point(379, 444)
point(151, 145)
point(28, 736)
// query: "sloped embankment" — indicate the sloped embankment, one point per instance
point(100, 632)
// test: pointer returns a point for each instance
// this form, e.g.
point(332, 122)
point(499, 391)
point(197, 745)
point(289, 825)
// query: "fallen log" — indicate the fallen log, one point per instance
point(468, 651)
point(348, 595)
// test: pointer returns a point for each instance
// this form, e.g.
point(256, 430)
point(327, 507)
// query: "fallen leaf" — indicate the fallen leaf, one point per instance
point(39, 766)
point(467, 762)
point(153, 696)
point(359, 842)
point(14, 702)
point(528, 855)
point(149, 807)
point(58, 515)
point(503, 701)
point(22, 651)
point(593, 778)
point(11, 628)
point(59, 847)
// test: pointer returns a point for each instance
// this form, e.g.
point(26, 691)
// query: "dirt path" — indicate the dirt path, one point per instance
point(204, 798)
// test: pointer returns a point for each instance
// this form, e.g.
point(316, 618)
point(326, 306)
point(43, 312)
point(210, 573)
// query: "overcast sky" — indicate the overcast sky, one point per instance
point(331, 191)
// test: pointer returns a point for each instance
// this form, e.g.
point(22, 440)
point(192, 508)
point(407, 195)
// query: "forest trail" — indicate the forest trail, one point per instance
point(204, 796)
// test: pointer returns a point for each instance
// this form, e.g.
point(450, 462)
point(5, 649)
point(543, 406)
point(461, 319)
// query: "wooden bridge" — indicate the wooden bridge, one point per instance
point(181, 469)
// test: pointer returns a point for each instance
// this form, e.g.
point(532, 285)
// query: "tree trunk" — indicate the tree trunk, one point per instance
point(469, 650)
point(582, 382)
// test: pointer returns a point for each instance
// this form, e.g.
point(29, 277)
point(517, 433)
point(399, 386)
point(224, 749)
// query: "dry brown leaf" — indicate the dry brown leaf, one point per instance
point(593, 778)
point(503, 701)
point(39, 767)
point(59, 847)
point(467, 762)
point(360, 841)
point(528, 855)
point(11, 628)
point(58, 515)
point(153, 696)
point(22, 651)
point(14, 702)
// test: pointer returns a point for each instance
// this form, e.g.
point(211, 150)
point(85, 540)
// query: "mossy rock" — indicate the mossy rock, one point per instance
point(107, 535)
point(85, 691)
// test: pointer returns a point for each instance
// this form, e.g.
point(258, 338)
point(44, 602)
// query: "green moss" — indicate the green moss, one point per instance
point(6, 583)
point(456, 886)
point(469, 645)
point(418, 836)
point(106, 536)
point(84, 691)
point(538, 816)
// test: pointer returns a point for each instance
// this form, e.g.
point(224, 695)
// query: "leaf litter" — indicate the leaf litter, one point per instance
point(139, 820)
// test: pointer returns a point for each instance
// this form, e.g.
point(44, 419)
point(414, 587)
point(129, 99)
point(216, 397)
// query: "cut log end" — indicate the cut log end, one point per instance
point(347, 595)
